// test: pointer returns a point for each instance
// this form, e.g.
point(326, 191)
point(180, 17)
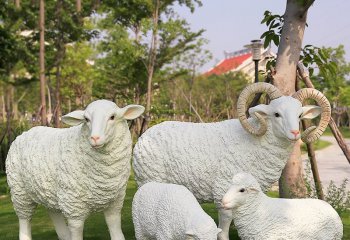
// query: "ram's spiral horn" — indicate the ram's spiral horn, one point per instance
point(242, 105)
point(311, 134)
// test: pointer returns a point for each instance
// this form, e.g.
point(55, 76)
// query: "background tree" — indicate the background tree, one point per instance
point(160, 36)
point(67, 23)
point(42, 62)
point(334, 84)
point(79, 73)
point(288, 31)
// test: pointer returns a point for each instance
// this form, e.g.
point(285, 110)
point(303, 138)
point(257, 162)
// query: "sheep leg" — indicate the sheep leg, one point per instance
point(225, 219)
point(60, 225)
point(25, 232)
point(76, 227)
point(113, 220)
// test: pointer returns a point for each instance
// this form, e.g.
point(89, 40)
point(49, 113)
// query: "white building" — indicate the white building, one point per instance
point(241, 61)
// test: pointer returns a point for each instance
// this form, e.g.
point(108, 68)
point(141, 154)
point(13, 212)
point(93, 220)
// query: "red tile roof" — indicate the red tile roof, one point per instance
point(228, 64)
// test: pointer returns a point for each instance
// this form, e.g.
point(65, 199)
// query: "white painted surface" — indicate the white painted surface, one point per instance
point(170, 212)
point(204, 156)
point(67, 171)
point(257, 216)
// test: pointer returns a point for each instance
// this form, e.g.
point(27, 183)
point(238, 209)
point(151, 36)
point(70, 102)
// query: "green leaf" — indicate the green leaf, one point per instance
point(267, 41)
point(264, 34)
point(276, 40)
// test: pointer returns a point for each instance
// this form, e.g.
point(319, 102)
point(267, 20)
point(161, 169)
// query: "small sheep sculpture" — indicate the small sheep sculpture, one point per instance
point(74, 171)
point(204, 156)
point(170, 212)
point(257, 216)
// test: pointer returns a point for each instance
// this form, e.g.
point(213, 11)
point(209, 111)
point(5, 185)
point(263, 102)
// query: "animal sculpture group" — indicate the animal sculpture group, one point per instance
point(85, 168)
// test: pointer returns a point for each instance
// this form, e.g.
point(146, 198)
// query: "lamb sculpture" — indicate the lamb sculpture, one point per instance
point(74, 171)
point(170, 212)
point(257, 216)
point(204, 156)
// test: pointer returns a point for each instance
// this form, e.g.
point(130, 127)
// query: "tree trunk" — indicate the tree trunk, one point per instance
point(3, 111)
point(151, 63)
point(69, 105)
point(58, 111)
point(190, 92)
point(290, 47)
point(336, 133)
point(9, 102)
point(13, 105)
point(291, 182)
point(18, 3)
point(49, 107)
point(60, 52)
point(42, 62)
point(78, 5)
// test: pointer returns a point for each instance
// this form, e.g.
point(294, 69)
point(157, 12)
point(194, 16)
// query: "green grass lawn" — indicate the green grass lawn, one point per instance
point(318, 145)
point(344, 130)
point(95, 227)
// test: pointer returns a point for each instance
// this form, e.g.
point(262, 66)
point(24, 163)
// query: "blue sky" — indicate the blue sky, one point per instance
point(232, 24)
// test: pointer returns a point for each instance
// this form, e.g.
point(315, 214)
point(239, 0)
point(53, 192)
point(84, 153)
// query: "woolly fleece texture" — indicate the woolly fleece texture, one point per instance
point(58, 169)
point(257, 216)
point(170, 212)
point(204, 156)
point(73, 171)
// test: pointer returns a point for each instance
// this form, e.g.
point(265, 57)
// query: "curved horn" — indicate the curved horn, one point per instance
point(311, 134)
point(242, 104)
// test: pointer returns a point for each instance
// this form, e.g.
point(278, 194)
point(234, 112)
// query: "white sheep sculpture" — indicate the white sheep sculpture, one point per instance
point(74, 171)
point(259, 217)
point(204, 156)
point(170, 212)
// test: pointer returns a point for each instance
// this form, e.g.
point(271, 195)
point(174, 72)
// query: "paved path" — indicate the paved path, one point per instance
point(332, 164)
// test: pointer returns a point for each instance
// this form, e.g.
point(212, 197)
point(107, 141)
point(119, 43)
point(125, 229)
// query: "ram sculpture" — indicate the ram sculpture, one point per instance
point(204, 156)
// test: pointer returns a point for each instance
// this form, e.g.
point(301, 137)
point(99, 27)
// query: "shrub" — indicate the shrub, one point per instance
point(338, 197)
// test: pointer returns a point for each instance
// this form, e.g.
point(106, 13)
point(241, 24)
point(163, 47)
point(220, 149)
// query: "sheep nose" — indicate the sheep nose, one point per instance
point(224, 204)
point(224, 201)
point(295, 132)
point(95, 138)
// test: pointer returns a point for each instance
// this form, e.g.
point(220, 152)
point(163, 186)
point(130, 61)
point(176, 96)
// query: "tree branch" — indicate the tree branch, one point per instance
point(308, 5)
point(337, 134)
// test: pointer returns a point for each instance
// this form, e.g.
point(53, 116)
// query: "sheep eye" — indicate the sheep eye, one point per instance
point(300, 115)
point(242, 190)
point(86, 119)
point(112, 117)
point(277, 115)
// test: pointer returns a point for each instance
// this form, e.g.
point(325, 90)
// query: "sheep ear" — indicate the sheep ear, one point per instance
point(131, 111)
point(311, 111)
point(219, 230)
point(262, 109)
point(74, 118)
point(252, 189)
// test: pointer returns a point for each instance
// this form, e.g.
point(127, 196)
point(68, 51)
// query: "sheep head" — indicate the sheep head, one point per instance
point(102, 118)
point(244, 186)
point(284, 112)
